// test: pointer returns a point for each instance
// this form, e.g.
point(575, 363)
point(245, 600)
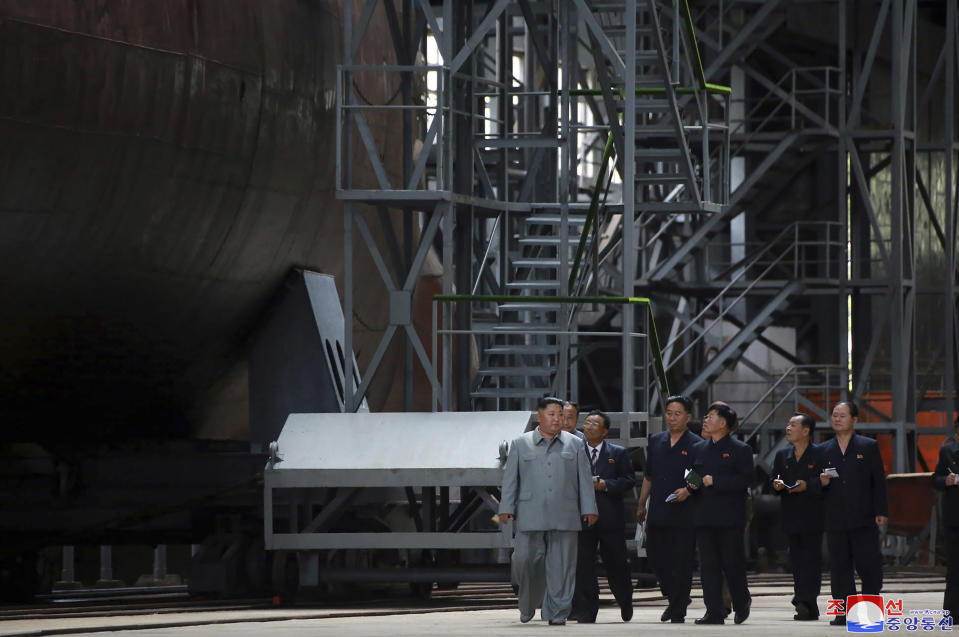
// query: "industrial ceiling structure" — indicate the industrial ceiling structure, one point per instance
point(774, 177)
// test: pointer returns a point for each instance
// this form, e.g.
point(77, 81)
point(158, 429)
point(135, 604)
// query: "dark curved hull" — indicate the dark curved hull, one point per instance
point(163, 165)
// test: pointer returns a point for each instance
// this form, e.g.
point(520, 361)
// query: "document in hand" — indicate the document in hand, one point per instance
point(640, 538)
point(831, 471)
point(671, 497)
point(693, 478)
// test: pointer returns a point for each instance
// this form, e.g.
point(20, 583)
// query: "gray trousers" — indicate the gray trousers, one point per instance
point(544, 568)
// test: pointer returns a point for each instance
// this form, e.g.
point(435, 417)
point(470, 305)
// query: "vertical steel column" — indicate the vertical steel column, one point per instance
point(446, 209)
point(901, 234)
point(67, 572)
point(463, 106)
point(106, 567)
point(949, 333)
point(566, 138)
point(346, 163)
point(504, 74)
point(406, 55)
point(629, 206)
point(159, 563)
point(842, 182)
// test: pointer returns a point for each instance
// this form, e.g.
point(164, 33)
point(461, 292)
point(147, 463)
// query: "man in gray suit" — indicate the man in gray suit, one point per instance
point(547, 488)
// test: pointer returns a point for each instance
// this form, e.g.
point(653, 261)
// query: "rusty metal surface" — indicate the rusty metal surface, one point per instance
point(162, 167)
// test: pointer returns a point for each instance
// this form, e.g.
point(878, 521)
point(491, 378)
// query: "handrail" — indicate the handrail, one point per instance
point(698, 71)
point(772, 388)
point(486, 253)
point(722, 313)
point(790, 233)
point(741, 274)
point(655, 348)
point(591, 213)
point(792, 371)
point(697, 60)
point(793, 94)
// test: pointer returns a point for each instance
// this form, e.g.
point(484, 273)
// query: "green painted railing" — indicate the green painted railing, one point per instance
point(590, 214)
point(655, 348)
point(697, 63)
point(697, 60)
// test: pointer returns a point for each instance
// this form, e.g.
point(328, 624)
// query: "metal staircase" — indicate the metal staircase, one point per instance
point(522, 341)
point(805, 388)
point(650, 70)
point(645, 77)
point(803, 254)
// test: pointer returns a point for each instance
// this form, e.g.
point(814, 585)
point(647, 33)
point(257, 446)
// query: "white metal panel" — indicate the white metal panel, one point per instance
point(378, 441)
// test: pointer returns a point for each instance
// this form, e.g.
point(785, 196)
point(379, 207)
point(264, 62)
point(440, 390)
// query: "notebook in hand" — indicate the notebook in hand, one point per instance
point(693, 478)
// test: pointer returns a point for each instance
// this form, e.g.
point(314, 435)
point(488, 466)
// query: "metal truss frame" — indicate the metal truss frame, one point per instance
point(498, 149)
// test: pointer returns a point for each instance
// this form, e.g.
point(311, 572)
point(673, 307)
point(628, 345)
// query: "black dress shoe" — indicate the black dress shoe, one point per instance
point(807, 618)
point(526, 618)
point(677, 620)
point(802, 612)
point(710, 619)
point(666, 616)
point(626, 612)
point(740, 617)
point(838, 620)
point(557, 622)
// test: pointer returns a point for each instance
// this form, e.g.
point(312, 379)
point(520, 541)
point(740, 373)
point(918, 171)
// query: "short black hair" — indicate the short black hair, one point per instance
point(682, 400)
point(853, 408)
point(569, 403)
point(602, 416)
point(727, 413)
point(548, 400)
point(806, 421)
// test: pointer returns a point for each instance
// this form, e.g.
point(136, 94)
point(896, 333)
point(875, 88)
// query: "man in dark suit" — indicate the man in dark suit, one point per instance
point(854, 502)
point(571, 418)
point(613, 476)
point(726, 468)
point(796, 470)
point(670, 524)
point(946, 478)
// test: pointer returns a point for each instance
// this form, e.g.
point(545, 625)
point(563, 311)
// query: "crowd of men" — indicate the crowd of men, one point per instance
point(565, 490)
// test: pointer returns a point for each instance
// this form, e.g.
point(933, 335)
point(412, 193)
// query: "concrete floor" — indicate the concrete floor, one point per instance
point(771, 615)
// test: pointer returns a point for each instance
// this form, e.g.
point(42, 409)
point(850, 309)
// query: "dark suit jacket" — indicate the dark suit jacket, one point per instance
point(801, 512)
point(948, 461)
point(614, 466)
point(858, 495)
point(665, 466)
point(730, 463)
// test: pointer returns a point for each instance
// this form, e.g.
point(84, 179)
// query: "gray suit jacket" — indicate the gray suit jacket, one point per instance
point(548, 484)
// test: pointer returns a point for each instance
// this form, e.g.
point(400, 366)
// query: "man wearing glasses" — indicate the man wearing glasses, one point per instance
point(613, 477)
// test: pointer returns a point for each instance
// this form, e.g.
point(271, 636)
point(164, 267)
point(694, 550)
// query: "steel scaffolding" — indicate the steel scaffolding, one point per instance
point(550, 151)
